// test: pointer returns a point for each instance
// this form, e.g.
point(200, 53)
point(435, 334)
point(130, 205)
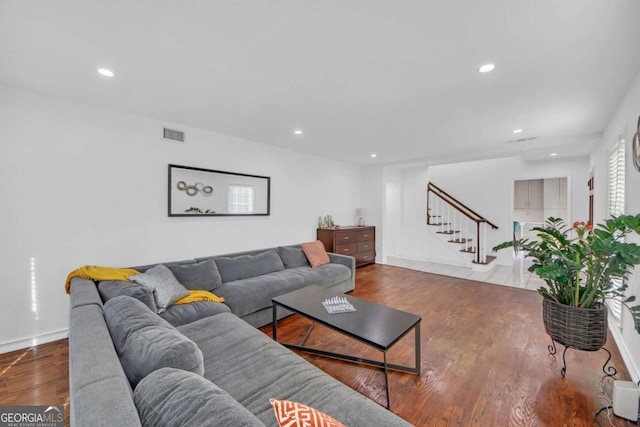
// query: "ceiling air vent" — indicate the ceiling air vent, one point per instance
point(513, 141)
point(174, 135)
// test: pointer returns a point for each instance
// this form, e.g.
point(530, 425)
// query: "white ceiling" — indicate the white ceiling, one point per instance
point(398, 78)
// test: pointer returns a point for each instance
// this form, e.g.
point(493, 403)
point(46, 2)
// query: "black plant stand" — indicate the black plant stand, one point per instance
point(578, 328)
point(609, 371)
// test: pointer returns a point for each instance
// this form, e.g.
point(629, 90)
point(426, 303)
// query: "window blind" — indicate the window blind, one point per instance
point(616, 207)
point(241, 199)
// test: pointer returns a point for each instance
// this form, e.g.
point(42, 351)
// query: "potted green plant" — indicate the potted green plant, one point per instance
point(582, 266)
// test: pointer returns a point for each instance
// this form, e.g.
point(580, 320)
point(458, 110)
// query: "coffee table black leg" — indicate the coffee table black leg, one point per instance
point(417, 348)
point(304, 339)
point(386, 379)
point(274, 325)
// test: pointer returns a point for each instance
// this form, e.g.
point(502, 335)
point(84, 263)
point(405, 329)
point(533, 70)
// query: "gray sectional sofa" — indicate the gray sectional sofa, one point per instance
point(203, 363)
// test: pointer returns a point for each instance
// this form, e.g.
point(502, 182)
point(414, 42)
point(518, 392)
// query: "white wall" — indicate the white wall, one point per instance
point(392, 221)
point(486, 186)
point(624, 123)
point(86, 185)
point(373, 202)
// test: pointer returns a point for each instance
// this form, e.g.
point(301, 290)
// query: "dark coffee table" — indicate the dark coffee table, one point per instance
point(373, 324)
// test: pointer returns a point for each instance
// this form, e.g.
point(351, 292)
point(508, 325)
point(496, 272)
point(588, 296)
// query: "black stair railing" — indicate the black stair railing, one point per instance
point(463, 224)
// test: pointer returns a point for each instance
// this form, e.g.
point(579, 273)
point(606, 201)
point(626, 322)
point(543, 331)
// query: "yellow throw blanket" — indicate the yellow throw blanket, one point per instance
point(94, 272)
point(199, 296)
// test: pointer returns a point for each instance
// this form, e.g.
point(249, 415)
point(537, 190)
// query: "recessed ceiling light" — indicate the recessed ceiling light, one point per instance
point(105, 72)
point(374, 155)
point(553, 154)
point(517, 131)
point(486, 68)
point(297, 132)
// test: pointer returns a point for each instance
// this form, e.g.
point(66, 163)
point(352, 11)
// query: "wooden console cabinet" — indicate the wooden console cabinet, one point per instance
point(359, 242)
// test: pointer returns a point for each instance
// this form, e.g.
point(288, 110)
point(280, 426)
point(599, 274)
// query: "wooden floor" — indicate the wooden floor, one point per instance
point(36, 376)
point(484, 358)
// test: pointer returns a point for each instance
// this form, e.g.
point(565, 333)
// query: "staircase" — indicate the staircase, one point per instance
point(460, 226)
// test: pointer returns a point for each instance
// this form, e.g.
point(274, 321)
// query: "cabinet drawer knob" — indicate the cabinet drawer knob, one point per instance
point(346, 238)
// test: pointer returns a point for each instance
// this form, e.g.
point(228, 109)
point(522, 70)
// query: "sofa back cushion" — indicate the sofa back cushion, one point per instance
point(171, 397)
point(244, 266)
point(145, 342)
point(113, 288)
point(293, 256)
point(201, 275)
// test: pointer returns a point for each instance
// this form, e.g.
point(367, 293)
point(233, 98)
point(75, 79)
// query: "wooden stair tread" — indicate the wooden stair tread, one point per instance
point(490, 259)
point(448, 232)
point(459, 240)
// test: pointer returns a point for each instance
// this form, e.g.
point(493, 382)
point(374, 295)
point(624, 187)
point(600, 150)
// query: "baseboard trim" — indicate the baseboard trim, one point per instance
point(625, 353)
point(33, 341)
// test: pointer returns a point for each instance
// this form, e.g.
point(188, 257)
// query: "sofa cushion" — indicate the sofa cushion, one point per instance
point(316, 254)
point(202, 275)
point(294, 414)
point(145, 342)
point(112, 288)
point(250, 295)
point(172, 397)
point(181, 314)
point(244, 266)
point(166, 289)
point(145, 267)
point(292, 256)
point(266, 369)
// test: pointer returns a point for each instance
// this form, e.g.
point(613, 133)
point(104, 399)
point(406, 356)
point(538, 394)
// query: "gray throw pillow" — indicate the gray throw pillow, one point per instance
point(146, 343)
point(170, 397)
point(293, 256)
point(112, 288)
point(202, 275)
point(166, 289)
point(244, 266)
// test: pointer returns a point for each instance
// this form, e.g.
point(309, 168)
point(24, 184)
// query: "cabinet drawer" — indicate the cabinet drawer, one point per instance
point(365, 257)
point(343, 237)
point(348, 249)
point(369, 245)
point(366, 235)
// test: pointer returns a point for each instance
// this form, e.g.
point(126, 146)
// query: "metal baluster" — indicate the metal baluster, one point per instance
point(467, 235)
point(483, 233)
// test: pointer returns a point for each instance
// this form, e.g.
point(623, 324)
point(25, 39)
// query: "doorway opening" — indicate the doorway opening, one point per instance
point(535, 200)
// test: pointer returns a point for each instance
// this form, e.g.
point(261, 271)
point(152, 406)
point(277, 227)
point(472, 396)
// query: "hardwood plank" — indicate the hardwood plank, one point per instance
point(484, 358)
point(36, 376)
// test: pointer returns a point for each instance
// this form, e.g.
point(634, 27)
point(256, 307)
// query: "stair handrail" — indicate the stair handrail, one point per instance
point(459, 206)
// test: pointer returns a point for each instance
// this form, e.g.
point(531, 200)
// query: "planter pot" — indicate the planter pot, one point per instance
point(576, 327)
